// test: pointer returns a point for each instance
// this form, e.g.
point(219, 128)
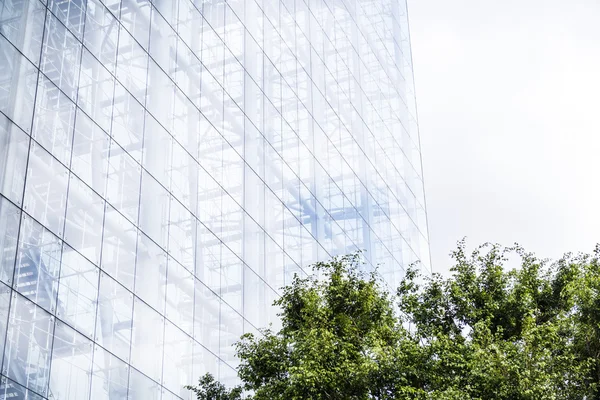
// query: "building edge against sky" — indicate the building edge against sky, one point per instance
point(166, 166)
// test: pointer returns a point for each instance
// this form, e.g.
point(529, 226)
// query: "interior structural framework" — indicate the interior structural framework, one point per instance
point(167, 166)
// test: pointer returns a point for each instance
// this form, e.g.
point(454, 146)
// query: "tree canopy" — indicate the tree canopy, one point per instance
point(484, 332)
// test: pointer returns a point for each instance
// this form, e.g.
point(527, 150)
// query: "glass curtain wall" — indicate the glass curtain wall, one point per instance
point(167, 166)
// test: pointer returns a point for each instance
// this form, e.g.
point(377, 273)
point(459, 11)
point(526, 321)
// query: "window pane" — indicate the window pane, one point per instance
point(154, 210)
point(46, 189)
point(151, 273)
point(204, 361)
point(119, 247)
point(18, 80)
point(12, 390)
point(123, 187)
point(83, 227)
point(14, 145)
point(61, 55)
point(10, 217)
point(128, 122)
point(132, 65)
point(78, 291)
point(180, 296)
point(20, 16)
point(70, 13)
point(101, 33)
point(71, 364)
point(138, 22)
point(206, 317)
point(54, 121)
point(5, 294)
point(28, 345)
point(147, 340)
point(177, 369)
point(38, 264)
point(96, 87)
point(157, 151)
point(182, 234)
point(232, 327)
point(109, 376)
point(90, 153)
point(114, 318)
point(141, 387)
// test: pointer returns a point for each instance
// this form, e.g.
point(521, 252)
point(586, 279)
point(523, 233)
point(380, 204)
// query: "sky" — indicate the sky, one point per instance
point(508, 95)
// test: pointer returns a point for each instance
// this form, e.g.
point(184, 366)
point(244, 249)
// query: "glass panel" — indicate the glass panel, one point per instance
point(166, 395)
point(123, 187)
point(180, 296)
point(22, 22)
point(147, 340)
point(10, 217)
point(96, 89)
point(46, 189)
point(160, 95)
point(206, 317)
point(101, 34)
point(61, 55)
point(128, 122)
point(18, 81)
point(232, 327)
point(204, 361)
point(114, 318)
point(254, 298)
point(5, 294)
point(119, 247)
point(54, 121)
point(109, 377)
point(208, 257)
point(157, 150)
point(90, 153)
point(70, 13)
point(14, 146)
point(83, 227)
point(78, 291)
point(231, 278)
point(151, 273)
point(182, 235)
point(154, 210)
point(132, 65)
point(177, 368)
point(71, 364)
point(28, 345)
point(163, 42)
point(38, 264)
point(138, 22)
point(141, 387)
point(13, 391)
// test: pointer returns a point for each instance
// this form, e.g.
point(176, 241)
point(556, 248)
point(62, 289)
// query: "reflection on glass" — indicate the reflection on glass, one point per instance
point(78, 291)
point(14, 145)
point(28, 345)
point(38, 264)
point(10, 218)
point(166, 167)
point(71, 364)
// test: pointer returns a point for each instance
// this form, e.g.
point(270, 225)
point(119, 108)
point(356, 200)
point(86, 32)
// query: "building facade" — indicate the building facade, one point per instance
point(166, 166)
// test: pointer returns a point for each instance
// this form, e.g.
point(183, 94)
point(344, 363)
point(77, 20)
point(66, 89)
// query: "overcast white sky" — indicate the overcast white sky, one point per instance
point(508, 95)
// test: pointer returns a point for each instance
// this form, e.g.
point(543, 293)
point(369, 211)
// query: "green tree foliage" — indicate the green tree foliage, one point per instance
point(485, 332)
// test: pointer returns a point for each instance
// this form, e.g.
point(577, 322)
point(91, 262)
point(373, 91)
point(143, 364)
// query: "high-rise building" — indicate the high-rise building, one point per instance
point(166, 166)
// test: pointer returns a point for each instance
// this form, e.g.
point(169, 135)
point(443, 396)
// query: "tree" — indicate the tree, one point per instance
point(482, 333)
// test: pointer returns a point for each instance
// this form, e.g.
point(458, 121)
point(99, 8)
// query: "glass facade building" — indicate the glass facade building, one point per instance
point(167, 165)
